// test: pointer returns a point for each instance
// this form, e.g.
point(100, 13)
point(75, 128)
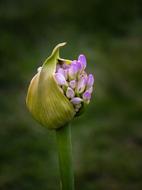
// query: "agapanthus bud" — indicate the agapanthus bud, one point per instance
point(61, 71)
point(81, 85)
point(73, 70)
point(82, 60)
point(72, 84)
point(59, 90)
point(60, 79)
point(76, 100)
point(86, 96)
point(90, 81)
point(70, 93)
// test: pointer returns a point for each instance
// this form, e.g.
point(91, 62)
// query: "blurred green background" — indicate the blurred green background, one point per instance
point(107, 139)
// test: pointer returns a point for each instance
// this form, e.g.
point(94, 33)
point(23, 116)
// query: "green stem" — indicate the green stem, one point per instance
point(65, 157)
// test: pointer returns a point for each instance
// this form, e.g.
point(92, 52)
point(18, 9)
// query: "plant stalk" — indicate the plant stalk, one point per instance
point(64, 146)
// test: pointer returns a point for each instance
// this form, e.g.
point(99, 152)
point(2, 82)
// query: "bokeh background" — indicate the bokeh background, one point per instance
point(107, 139)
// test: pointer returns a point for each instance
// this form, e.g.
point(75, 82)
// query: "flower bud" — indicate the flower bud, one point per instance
point(61, 71)
point(45, 100)
point(73, 70)
point(81, 85)
point(86, 96)
point(60, 90)
point(70, 93)
point(72, 84)
point(60, 79)
point(82, 60)
point(90, 81)
point(76, 100)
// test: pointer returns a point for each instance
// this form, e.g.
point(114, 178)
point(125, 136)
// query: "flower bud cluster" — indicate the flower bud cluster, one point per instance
point(75, 84)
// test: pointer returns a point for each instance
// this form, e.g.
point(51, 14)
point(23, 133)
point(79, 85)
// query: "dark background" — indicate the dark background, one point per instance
point(107, 139)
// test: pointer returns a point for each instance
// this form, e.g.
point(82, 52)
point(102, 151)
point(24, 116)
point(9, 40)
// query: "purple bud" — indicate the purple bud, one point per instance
point(79, 66)
point(73, 70)
point(90, 81)
point(76, 100)
point(86, 96)
point(70, 93)
point(60, 79)
point(82, 60)
point(81, 85)
point(61, 71)
point(72, 84)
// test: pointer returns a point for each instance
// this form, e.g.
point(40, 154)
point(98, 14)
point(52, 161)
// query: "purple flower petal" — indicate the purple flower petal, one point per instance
point(86, 97)
point(70, 93)
point(76, 64)
point(60, 79)
point(90, 81)
point(79, 66)
point(76, 100)
point(72, 84)
point(61, 71)
point(81, 85)
point(73, 70)
point(82, 60)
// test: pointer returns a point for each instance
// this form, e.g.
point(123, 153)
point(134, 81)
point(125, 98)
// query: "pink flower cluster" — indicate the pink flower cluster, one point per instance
point(75, 84)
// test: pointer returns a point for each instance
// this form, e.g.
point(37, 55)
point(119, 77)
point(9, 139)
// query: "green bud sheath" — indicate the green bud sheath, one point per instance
point(48, 105)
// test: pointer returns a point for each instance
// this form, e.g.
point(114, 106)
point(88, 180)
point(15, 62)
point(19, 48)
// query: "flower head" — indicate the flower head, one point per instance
point(79, 84)
point(59, 90)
